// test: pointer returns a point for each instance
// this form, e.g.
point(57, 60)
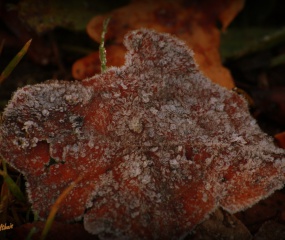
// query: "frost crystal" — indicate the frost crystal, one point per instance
point(159, 146)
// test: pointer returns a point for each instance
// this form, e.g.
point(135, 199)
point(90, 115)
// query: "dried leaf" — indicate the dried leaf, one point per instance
point(270, 231)
point(193, 22)
point(280, 138)
point(159, 144)
point(269, 208)
point(221, 225)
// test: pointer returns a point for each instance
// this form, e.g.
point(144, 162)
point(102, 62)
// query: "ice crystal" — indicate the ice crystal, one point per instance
point(159, 145)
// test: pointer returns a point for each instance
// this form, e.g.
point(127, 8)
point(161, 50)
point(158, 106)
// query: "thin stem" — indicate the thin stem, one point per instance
point(102, 50)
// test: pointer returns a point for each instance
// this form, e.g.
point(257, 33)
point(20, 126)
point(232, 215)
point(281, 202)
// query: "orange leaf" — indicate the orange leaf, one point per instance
point(90, 65)
point(195, 23)
point(280, 137)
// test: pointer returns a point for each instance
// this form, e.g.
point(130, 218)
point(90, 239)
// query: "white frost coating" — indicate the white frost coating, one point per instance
point(159, 145)
point(135, 125)
point(174, 163)
point(45, 112)
point(28, 125)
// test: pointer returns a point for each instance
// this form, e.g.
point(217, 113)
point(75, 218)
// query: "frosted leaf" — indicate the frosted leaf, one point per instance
point(158, 144)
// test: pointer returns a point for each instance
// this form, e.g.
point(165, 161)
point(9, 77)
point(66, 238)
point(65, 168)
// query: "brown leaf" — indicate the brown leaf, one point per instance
point(159, 145)
point(193, 22)
point(221, 225)
point(270, 208)
point(270, 231)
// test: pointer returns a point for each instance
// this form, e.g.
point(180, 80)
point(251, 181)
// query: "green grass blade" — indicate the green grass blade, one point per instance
point(31, 233)
point(102, 50)
point(10, 67)
point(13, 187)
